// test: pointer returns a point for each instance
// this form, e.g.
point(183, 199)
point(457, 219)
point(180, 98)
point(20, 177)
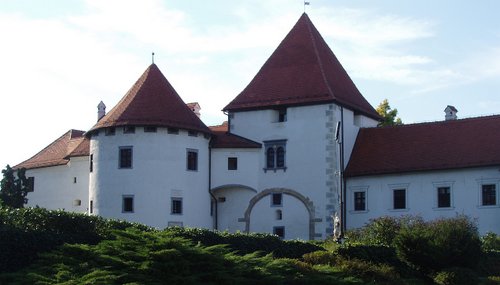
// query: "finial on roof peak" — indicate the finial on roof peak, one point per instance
point(306, 3)
point(153, 58)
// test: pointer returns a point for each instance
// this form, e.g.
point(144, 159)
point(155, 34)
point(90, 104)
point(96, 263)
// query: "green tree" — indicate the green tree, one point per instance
point(13, 190)
point(388, 114)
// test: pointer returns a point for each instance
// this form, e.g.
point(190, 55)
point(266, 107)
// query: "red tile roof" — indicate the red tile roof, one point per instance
point(302, 70)
point(152, 101)
point(70, 144)
point(451, 144)
point(223, 139)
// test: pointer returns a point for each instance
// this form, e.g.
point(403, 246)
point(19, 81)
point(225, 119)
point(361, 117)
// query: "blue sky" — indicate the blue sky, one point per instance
point(58, 59)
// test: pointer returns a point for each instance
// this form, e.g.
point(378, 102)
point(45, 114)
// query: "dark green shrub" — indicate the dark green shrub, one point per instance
point(246, 243)
point(369, 271)
point(382, 230)
point(456, 276)
point(491, 242)
point(371, 253)
point(439, 244)
point(320, 257)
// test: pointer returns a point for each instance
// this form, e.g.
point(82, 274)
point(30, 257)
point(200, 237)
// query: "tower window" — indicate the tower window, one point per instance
point(399, 198)
point(150, 129)
point(275, 155)
point(277, 199)
point(109, 131)
point(279, 231)
point(444, 197)
point(489, 195)
point(359, 201)
point(125, 157)
point(128, 129)
point(192, 160)
point(127, 204)
point(282, 115)
point(232, 163)
point(176, 206)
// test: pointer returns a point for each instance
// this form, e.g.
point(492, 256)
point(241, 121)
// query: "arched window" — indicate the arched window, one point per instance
point(280, 157)
point(270, 157)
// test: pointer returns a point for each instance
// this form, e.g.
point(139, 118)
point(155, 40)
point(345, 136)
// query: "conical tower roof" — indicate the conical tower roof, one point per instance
point(302, 71)
point(152, 101)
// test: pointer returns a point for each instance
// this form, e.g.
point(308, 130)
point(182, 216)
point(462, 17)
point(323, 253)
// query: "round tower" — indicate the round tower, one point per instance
point(149, 158)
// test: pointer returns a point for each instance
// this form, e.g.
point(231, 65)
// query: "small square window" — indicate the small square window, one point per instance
point(173, 131)
point(444, 197)
point(192, 160)
point(489, 195)
point(279, 215)
point(282, 115)
point(232, 163)
point(128, 204)
point(128, 129)
point(125, 158)
point(109, 131)
point(399, 200)
point(192, 133)
point(175, 224)
point(279, 231)
point(277, 199)
point(360, 201)
point(150, 129)
point(176, 206)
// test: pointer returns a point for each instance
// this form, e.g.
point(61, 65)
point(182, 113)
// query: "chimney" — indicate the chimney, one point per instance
point(101, 111)
point(195, 107)
point(451, 113)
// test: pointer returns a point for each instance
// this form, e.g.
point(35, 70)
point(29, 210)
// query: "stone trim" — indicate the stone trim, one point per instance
point(306, 201)
point(225, 186)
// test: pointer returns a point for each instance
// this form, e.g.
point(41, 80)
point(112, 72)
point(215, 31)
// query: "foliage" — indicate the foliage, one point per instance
point(13, 190)
point(439, 244)
point(456, 276)
point(26, 232)
point(381, 231)
point(246, 243)
point(491, 242)
point(388, 114)
point(138, 257)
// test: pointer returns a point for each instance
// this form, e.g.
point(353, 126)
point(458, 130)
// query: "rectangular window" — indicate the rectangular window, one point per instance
point(360, 201)
point(91, 207)
point(125, 157)
point(150, 129)
point(109, 131)
point(176, 206)
point(444, 197)
point(173, 131)
point(399, 198)
point(279, 231)
point(175, 224)
point(74, 180)
point(31, 184)
point(232, 163)
point(192, 160)
point(91, 163)
point(282, 115)
point(192, 133)
point(489, 195)
point(277, 199)
point(128, 204)
point(128, 129)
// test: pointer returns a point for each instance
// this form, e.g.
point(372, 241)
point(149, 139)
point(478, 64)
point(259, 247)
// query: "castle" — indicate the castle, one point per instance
point(301, 145)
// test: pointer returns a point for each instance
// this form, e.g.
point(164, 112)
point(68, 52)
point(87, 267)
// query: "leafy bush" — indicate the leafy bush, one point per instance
point(246, 243)
point(456, 276)
point(381, 231)
point(439, 244)
point(491, 242)
point(25, 232)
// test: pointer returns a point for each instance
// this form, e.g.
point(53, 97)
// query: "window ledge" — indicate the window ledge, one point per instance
point(399, 210)
point(275, 169)
point(443, 208)
point(359, 212)
point(488, 206)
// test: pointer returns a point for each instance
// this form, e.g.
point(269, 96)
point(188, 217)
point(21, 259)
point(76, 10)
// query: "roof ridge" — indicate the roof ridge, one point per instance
point(45, 148)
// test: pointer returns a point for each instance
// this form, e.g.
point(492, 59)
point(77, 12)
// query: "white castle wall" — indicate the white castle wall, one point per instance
point(159, 173)
point(55, 187)
point(422, 196)
point(311, 160)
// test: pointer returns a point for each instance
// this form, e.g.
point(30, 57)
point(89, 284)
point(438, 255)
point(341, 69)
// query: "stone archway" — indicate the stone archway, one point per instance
point(306, 201)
